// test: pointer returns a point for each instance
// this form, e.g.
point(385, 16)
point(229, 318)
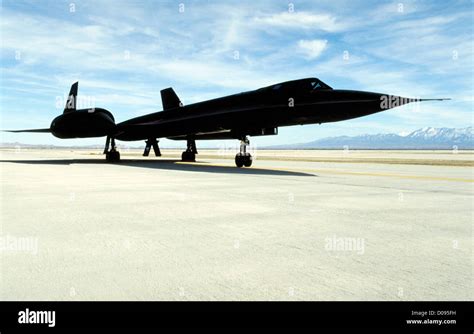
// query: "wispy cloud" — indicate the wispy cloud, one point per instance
point(124, 52)
point(301, 20)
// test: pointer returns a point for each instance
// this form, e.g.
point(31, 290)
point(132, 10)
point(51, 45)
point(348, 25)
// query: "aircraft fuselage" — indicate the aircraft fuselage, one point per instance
point(247, 113)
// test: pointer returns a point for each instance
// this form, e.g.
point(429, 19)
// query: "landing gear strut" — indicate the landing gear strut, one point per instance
point(149, 143)
point(113, 155)
point(243, 158)
point(191, 151)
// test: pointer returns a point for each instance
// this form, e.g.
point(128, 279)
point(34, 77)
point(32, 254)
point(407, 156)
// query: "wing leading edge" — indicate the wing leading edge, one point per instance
point(30, 130)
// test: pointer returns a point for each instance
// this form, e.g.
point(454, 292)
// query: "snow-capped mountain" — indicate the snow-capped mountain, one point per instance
point(443, 133)
point(425, 138)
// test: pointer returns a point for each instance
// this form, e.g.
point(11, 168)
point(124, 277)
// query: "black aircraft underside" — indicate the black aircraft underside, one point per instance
point(255, 113)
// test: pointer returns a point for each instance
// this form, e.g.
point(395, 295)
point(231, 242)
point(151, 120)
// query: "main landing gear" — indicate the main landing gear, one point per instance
point(190, 154)
point(243, 158)
point(152, 142)
point(113, 155)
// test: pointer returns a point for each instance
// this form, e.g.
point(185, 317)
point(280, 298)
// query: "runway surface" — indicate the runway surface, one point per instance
point(318, 225)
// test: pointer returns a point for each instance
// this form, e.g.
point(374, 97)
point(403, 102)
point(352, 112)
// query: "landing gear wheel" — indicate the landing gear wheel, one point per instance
point(188, 156)
point(247, 160)
point(112, 156)
point(243, 159)
point(239, 161)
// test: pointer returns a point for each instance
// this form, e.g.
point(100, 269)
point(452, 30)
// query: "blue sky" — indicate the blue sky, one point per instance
point(124, 52)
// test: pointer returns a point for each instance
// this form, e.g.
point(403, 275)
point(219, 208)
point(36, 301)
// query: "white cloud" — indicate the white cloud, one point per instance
point(206, 72)
point(429, 42)
point(312, 48)
point(302, 20)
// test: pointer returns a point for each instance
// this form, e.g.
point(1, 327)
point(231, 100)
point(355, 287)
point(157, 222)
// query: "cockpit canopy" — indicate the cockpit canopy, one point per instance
point(318, 85)
point(303, 85)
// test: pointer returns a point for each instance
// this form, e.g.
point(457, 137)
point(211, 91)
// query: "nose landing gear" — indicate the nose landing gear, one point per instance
point(243, 158)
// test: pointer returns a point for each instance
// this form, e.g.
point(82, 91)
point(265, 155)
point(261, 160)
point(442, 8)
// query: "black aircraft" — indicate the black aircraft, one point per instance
point(255, 113)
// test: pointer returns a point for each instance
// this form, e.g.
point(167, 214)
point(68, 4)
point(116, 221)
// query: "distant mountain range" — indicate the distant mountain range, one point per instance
point(425, 138)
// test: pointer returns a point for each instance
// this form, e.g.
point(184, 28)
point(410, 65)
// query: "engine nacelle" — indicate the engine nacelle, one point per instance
point(85, 123)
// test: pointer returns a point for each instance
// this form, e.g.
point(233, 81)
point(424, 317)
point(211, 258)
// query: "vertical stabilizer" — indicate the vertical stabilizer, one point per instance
point(169, 99)
point(71, 99)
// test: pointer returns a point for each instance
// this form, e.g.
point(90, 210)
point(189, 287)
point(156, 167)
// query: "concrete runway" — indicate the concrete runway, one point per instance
point(76, 228)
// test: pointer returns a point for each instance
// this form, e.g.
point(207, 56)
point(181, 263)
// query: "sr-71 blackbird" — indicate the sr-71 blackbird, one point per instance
point(258, 112)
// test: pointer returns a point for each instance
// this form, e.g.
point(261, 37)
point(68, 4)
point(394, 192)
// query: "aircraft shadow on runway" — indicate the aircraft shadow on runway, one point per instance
point(167, 164)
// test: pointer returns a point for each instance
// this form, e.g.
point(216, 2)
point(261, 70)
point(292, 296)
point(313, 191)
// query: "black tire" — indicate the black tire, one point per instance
point(239, 161)
point(113, 156)
point(247, 160)
point(188, 156)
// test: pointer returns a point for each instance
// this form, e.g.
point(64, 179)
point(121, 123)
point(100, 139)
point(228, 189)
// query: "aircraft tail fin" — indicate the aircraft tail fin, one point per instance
point(71, 99)
point(169, 99)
